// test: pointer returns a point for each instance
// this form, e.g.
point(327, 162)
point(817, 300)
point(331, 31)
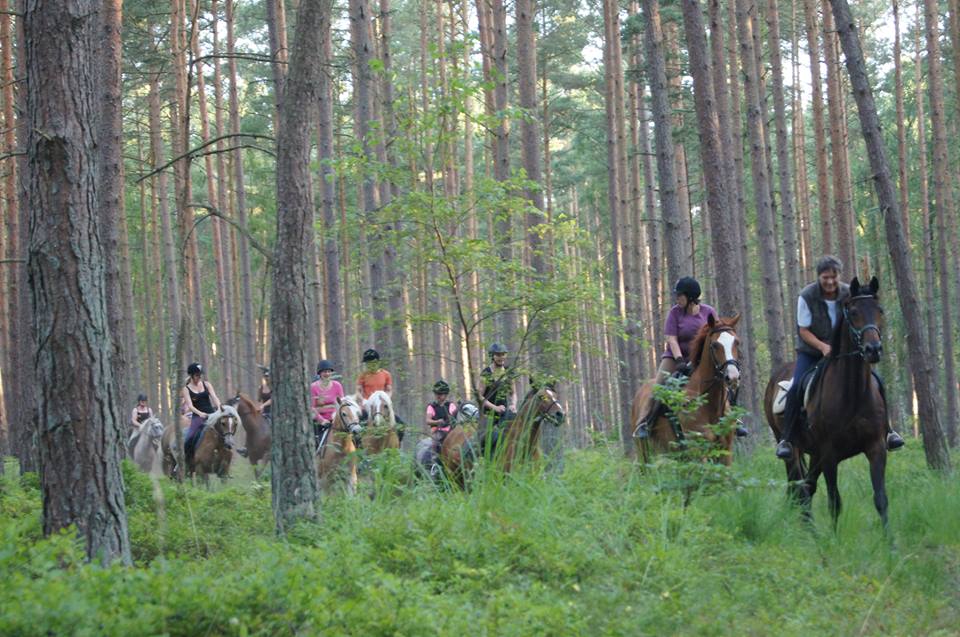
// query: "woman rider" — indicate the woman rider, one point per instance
point(201, 401)
point(324, 393)
point(680, 328)
point(817, 317)
point(140, 414)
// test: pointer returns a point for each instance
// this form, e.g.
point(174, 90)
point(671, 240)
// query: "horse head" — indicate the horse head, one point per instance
point(152, 428)
point(721, 340)
point(549, 407)
point(864, 318)
point(467, 412)
point(347, 416)
point(225, 422)
point(380, 409)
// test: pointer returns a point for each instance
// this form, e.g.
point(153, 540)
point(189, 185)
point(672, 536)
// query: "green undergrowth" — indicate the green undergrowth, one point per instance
point(601, 548)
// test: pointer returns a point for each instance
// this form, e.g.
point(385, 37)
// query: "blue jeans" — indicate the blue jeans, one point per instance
point(804, 362)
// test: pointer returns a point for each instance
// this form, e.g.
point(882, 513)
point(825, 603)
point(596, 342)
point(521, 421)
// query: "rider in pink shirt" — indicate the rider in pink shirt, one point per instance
point(323, 397)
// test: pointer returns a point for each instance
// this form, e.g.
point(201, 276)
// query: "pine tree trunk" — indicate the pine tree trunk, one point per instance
point(12, 280)
point(933, 440)
point(773, 297)
point(295, 494)
point(901, 122)
point(671, 47)
point(929, 264)
point(819, 134)
point(802, 187)
point(79, 435)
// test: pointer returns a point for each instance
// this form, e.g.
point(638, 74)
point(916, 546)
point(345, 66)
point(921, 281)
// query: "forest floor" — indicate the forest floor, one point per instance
point(601, 548)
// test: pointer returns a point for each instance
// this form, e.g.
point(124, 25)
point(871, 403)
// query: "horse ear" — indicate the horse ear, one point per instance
point(711, 321)
point(855, 287)
point(874, 286)
point(339, 400)
point(733, 321)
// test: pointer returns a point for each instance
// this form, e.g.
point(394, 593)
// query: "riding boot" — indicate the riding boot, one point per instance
point(791, 414)
point(741, 429)
point(643, 427)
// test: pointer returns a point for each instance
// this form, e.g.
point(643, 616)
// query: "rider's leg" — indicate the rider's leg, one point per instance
point(794, 404)
point(894, 440)
point(667, 367)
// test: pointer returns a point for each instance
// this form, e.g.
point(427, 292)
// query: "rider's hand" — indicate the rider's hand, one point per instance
point(825, 349)
point(500, 409)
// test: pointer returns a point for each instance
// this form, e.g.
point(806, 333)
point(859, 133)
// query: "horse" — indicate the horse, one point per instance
point(714, 355)
point(338, 445)
point(520, 440)
point(256, 429)
point(212, 453)
point(148, 442)
point(380, 431)
point(846, 408)
point(456, 454)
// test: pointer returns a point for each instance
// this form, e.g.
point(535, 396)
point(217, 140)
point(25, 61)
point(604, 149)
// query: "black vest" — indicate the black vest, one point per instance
point(441, 411)
point(821, 326)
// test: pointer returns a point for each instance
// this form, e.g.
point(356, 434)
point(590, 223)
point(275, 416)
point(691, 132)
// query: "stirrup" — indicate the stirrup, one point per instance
point(642, 431)
point(741, 429)
point(784, 449)
point(894, 441)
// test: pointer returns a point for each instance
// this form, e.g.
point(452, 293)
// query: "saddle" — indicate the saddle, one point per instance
point(807, 381)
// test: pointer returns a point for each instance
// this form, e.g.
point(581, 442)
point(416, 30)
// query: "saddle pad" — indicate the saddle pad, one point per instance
point(783, 386)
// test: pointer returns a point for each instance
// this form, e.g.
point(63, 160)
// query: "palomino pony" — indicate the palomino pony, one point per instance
point(213, 451)
point(715, 357)
point(846, 410)
point(520, 440)
point(381, 430)
point(148, 443)
point(338, 445)
point(256, 429)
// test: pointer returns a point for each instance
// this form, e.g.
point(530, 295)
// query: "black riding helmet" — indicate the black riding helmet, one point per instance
point(441, 387)
point(142, 397)
point(324, 365)
point(497, 348)
point(371, 355)
point(194, 368)
point(689, 287)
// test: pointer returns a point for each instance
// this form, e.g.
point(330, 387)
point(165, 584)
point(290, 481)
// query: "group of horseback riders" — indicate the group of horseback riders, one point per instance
point(817, 316)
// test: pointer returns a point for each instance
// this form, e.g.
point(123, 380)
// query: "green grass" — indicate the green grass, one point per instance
point(603, 549)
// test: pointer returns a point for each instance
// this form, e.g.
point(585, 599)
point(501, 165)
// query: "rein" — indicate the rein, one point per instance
point(856, 333)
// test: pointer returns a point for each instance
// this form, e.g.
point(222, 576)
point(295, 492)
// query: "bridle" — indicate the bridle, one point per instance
point(548, 398)
point(720, 367)
point(856, 333)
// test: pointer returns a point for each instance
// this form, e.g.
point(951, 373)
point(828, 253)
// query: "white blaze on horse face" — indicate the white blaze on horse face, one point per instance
point(726, 339)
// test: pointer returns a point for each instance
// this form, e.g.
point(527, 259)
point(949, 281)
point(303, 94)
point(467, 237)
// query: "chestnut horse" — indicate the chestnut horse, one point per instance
point(380, 431)
point(256, 429)
point(457, 453)
point(338, 445)
point(714, 355)
point(846, 410)
point(214, 450)
point(520, 440)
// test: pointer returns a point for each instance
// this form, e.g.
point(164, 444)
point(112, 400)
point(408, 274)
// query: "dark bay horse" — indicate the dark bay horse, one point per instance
point(520, 440)
point(715, 357)
point(214, 449)
point(338, 447)
point(846, 410)
point(256, 429)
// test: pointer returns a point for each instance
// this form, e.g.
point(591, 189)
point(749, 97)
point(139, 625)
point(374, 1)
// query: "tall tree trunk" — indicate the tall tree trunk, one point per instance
point(819, 134)
point(277, 39)
point(802, 187)
point(773, 297)
point(901, 119)
point(295, 495)
point(943, 194)
point(12, 281)
point(509, 323)
point(80, 450)
point(663, 129)
point(929, 264)
point(791, 259)
point(933, 439)
point(671, 47)
point(247, 330)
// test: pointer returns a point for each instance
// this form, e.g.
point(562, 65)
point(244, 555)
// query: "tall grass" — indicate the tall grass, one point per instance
point(604, 548)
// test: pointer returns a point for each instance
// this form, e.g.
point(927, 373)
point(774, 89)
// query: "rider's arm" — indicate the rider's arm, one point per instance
point(213, 396)
point(133, 418)
point(388, 387)
point(674, 346)
point(810, 339)
point(431, 419)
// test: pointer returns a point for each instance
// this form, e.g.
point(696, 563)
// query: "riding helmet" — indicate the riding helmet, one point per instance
point(194, 368)
point(371, 355)
point(441, 387)
point(497, 348)
point(142, 397)
point(324, 365)
point(689, 287)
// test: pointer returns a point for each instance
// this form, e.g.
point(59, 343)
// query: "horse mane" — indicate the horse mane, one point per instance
point(696, 348)
point(224, 411)
point(378, 398)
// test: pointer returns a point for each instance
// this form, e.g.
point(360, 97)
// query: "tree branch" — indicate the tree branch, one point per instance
point(213, 212)
point(196, 151)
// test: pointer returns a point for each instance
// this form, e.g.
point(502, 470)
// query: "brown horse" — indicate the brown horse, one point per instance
point(846, 409)
point(714, 355)
point(520, 439)
point(456, 452)
point(256, 429)
point(338, 445)
point(214, 449)
point(380, 431)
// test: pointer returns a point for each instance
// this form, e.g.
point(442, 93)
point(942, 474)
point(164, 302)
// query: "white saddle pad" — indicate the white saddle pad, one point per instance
point(780, 398)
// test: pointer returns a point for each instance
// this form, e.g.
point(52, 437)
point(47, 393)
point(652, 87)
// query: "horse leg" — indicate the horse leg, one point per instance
point(878, 467)
point(833, 492)
point(808, 487)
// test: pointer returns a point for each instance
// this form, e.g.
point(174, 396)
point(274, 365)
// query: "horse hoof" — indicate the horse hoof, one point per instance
point(894, 441)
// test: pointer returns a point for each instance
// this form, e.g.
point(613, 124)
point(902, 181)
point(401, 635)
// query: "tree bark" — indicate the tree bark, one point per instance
point(80, 450)
point(933, 440)
point(12, 280)
point(295, 495)
point(819, 134)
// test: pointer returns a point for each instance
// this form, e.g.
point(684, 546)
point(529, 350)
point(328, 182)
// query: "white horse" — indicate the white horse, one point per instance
point(381, 424)
point(147, 443)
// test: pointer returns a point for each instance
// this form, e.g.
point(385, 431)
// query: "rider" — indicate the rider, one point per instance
point(201, 401)
point(440, 412)
point(324, 393)
point(817, 317)
point(266, 393)
point(375, 378)
point(498, 395)
point(140, 414)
